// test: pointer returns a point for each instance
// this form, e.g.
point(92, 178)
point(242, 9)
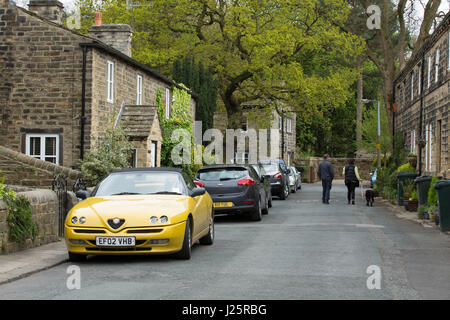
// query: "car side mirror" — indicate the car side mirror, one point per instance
point(197, 192)
point(82, 194)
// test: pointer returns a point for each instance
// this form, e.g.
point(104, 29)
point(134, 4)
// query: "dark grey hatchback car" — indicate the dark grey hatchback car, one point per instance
point(234, 189)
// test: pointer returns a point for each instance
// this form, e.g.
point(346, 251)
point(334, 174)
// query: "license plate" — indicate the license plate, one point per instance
point(223, 204)
point(115, 241)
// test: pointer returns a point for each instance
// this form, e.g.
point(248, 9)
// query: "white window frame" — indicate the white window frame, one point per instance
point(139, 90)
point(110, 82)
point(448, 53)
point(412, 86)
point(429, 72)
point(413, 141)
point(419, 81)
point(167, 103)
point(289, 125)
point(42, 156)
point(436, 66)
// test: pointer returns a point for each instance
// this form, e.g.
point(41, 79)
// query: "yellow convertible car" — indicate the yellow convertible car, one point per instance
point(141, 211)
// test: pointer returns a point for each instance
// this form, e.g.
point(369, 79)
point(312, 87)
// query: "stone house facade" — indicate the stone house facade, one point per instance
point(59, 90)
point(422, 100)
point(256, 116)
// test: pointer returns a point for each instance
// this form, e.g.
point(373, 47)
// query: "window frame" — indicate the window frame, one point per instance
point(42, 154)
point(429, 72)
point(167, 109)
point(139, 83)
point(436, 65)
point(110, 81)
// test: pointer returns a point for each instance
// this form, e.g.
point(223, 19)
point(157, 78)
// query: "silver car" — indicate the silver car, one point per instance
point(295, 179)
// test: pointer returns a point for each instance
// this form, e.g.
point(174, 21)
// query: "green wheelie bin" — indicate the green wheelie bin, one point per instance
point(443, 194)
point(403, 178)
point(423, 185)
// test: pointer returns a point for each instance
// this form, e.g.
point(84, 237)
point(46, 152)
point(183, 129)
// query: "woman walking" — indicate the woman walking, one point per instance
point(352, 179)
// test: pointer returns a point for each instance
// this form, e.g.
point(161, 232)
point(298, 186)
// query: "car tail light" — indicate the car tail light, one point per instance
point(199, 184)
point(278, 176)
point(246, 182)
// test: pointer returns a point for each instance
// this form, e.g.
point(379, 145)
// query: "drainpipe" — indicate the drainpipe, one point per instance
point(83, 103)
point(422, 71)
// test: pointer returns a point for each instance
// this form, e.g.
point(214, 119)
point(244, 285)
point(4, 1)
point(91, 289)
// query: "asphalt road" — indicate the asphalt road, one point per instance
point(302, 250)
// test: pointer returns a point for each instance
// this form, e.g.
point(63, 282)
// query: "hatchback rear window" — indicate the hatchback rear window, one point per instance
point(222, 174)
point(271, 168)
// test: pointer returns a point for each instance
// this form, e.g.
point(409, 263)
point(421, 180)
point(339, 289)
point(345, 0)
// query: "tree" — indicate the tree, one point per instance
point(200, 80)
point(255, 47)
point(387, 45)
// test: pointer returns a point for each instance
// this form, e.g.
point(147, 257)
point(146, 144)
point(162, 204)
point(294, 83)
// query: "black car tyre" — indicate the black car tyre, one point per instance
point(285, 193)
point(76, 257)
point(270, 200)
point(256, 215)
point(266, 206)
point(209, 238)
point(185, 252)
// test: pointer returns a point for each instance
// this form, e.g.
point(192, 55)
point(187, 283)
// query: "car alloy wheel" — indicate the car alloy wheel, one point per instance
point(209, 238)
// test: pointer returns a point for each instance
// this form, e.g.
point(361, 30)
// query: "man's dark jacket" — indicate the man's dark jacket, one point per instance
point(326, 170)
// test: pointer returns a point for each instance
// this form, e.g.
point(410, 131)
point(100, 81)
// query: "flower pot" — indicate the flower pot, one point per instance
point(412, 161)
point(426, 215)
point(413, 205)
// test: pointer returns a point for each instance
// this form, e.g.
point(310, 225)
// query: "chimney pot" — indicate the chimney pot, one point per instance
point(98, 18)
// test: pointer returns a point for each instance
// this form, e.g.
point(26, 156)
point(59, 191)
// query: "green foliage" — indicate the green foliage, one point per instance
point(421, 212)
point(369, 130)
point(406, 168)
point(399, 153)
point(201, 81)
point(432, 193)
point(111, 152)
point(414, 195)
point(20, 218)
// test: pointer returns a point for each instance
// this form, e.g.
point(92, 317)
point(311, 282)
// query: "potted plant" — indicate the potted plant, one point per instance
point(436, 218)
point(407, 193)
point(412, 159)
point(432, 211)
point(421, 142)
point(413, 202)
point(421, 212)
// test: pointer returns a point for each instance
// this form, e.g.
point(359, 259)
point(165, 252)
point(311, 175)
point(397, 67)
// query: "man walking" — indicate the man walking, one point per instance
point(326, 174)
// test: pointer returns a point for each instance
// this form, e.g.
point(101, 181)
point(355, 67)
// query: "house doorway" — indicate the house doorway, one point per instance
point(153, 154)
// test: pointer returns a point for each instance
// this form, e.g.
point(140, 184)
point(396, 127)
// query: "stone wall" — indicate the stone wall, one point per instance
point(22, 170)
point(44, 207)
point(312, 164)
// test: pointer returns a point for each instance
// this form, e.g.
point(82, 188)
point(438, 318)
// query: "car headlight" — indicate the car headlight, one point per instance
point(74, 220)
point(164, 219)
point(82, 220)
point(153, 219)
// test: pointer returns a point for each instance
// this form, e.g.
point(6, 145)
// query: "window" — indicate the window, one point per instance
point(413, 141)
point(281, 122)
point(412, 86)
point(289, 125)
point(110, 82)
point(133, 158)
point(139, 90)
point(43, 146)
point(429, 72)
point(167, 103)
point(436, 66)
point(448, 54)
point(428, 146)
point(244, 125)
point(419, 80)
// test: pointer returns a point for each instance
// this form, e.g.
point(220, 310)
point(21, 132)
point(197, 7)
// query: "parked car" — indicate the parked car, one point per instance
point(265, 179)
point(279, 179)
point(140, 211)
point(295, 179)
point(234, 189)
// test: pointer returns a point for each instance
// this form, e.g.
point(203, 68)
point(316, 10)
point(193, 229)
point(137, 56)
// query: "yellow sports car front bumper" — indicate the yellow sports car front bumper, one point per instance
point(149, 240)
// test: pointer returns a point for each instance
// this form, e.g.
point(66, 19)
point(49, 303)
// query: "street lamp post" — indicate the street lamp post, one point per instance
point(378, 130)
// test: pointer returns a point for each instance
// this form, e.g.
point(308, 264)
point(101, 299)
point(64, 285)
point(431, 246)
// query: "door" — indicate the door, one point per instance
point(201, 210)
point(153, 154)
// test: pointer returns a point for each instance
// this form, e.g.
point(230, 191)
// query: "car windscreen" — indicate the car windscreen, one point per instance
point(222, 174)
point(129, 183)
point(271, 168)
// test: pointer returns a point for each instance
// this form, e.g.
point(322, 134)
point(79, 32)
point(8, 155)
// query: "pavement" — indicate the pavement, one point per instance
point(24, 263)
point(301, 250)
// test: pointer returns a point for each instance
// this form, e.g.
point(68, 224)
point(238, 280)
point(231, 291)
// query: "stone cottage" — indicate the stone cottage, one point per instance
point(422, 99)
point(257, 116)
point(59, 90)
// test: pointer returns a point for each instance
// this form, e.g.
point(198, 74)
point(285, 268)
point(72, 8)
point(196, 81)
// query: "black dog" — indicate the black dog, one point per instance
point(370, 197)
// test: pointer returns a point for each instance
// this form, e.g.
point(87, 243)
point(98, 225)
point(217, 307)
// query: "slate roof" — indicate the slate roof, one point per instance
point(137, 121)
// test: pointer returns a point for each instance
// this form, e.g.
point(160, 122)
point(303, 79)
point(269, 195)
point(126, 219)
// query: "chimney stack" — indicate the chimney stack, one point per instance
point(118, 36)
point(49, 9)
